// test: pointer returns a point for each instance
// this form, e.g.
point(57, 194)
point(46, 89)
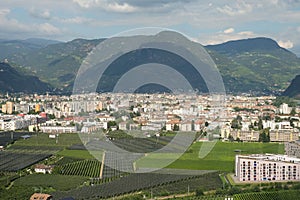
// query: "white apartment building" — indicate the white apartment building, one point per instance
point(267, 167)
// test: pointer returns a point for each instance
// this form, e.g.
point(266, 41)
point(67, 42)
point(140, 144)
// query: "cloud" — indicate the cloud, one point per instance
point(40, 14)
point(229, 30)
point(122, 7)
point(116, 7)
point(222, 37)
point(4, 11)
point(47, 29)
point(13, 28)
point(286, 44)
point(240, 8)
point(76, 20)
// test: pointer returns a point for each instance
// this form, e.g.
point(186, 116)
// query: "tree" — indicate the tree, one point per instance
point(199, 192)
point(260, 124)
point(236, 123)
point(293, 112)
point(176, 127)
point(230, 138)
point(111, 123)
point(264, 136)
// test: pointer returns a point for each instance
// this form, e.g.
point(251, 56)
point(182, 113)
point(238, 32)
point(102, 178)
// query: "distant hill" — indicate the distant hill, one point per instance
point(13, 81)
point(257, 65)
point(294, 88)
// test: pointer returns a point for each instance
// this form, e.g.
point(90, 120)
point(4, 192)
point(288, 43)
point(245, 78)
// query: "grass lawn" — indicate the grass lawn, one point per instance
point(59, 182)
point(80, 154)
point(220, 158)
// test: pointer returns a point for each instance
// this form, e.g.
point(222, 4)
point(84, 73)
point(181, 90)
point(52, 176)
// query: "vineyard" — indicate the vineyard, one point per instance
point(87, 168)
point(34, 149)
point(208, 181)
point(59, 182)
point(17, 161)
point(127, 184)
point(9, 137)
point(278, 195)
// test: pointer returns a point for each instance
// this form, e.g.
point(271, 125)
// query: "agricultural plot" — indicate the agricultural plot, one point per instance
point(126, 184)
point(9, 137)
point(42, 139)
point(278, 195)
point(142, 145)
point(59, 182)
point(210, 181)
point(79, 154)
point(115, 163)
point(87, 168)
point(220, 158)
point(34, 149)
point(17, 161)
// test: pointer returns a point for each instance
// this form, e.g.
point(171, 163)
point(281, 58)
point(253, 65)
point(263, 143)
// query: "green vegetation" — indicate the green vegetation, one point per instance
point(278, 195)
point(282, 99)
point(58, 64)
point(42, 139)
point(210, 181)
point(80, 154)
point(87, 168)
point(58, 182)
point(220, 158)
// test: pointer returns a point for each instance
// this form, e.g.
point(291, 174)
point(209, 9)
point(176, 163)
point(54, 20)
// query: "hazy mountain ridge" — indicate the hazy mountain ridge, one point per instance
point(257, 65)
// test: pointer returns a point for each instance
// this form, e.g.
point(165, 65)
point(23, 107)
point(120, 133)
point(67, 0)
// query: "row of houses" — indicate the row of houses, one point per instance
point(253, 136)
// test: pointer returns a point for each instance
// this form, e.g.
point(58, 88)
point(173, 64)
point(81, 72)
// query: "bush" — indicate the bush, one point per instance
point(199, 192)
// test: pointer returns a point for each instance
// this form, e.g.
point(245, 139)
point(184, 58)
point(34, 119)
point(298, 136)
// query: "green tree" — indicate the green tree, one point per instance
point(199, 192)
point(176, 127)
point(293, 112)
point(264, 136)
point(260, 124)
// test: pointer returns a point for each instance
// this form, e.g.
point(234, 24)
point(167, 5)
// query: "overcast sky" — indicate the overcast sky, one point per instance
point(208, 22)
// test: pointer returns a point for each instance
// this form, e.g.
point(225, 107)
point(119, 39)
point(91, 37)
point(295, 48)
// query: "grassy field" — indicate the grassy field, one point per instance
point(42, 139)
point(220, 158)
point(80, 154)
point(59, 182)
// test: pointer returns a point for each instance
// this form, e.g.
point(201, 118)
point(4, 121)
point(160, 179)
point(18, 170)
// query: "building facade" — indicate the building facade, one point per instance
point(292, 148)
point(268, 167)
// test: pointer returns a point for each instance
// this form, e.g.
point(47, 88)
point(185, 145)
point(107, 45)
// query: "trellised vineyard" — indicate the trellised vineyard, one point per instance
point(89, 168)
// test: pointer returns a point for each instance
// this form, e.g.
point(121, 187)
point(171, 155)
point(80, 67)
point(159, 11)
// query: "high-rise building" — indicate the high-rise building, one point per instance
point(9, 107)
point(3, 108)
point(37, 108)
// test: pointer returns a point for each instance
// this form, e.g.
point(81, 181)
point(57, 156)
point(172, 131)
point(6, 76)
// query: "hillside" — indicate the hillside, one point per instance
point(260, 62)
point(294, 88)
point(257, 65)
point(13, 81)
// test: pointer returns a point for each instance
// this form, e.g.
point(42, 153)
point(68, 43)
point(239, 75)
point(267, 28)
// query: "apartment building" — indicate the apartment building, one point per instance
point(267, 167)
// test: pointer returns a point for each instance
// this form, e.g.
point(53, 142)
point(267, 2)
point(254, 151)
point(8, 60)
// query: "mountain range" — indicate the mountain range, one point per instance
point(13, 81)
point(256, 65)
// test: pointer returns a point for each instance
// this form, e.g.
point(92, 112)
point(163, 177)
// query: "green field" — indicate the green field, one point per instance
point(80, 154)
point(42, 139)
point(220, 158)
point(58, 182)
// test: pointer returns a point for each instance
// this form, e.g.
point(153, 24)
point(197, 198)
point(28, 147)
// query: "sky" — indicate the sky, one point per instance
point(208, 22)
